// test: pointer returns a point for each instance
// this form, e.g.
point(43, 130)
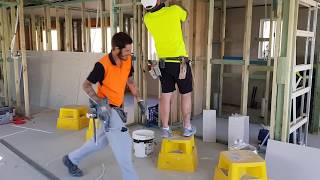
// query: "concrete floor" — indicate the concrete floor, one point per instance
point(46, 145)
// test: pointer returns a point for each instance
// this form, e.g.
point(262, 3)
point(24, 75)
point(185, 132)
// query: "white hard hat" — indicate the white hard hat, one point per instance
point(149, 4)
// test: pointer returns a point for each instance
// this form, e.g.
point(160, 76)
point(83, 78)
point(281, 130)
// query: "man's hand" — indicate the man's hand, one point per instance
point(103, 110)
point(102, 107)
point(142, 106)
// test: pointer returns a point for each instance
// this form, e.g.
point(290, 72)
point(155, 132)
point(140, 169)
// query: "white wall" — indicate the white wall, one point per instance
point(55, 78)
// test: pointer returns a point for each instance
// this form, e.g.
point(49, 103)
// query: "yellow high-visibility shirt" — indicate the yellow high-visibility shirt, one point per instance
point(165, 27)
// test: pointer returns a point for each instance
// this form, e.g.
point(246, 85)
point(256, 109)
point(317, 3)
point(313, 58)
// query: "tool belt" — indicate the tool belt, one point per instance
point(153, 69)
point(121, 113)
point(183, 64)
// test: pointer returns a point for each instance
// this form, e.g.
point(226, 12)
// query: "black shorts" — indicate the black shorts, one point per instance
point(170, 76)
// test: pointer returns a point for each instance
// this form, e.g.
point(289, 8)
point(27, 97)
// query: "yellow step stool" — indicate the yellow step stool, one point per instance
point(240, 165)
point(178, 154)
point(73, 117)
point(89, 133)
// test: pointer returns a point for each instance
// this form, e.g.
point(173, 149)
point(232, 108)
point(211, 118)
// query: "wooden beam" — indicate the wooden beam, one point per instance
point(45, 28)
point(67, 29)
point(228, 62)
point(15, 61)
point(200, 50)
point(13, 23)
point(103, 26)
point(188, 30)
point(4, 59)
point(113, 16)
point(58, 29)
point(71, 28)
point(267, 89)
point(255, 68)
point(209, 54)
point(49, 39)
point(83, 28)
point(222, 50)
point(121, 24)
point(315, 120)
point(308, 3)
point(246, 58)
point(135, 42)
point(302, 33)
point(33, 31)
point(39, 34)
point(89, 34)
point(290, 51)
point(24, 60)
point(139, 56)
point(144, 58)
point(7, 48)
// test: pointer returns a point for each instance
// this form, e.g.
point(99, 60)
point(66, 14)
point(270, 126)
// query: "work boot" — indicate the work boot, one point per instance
point(189, 132)
point(73, 169)
point(166, 133)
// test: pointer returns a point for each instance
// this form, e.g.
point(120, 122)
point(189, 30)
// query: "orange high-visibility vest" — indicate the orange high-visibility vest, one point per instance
point(115, 80)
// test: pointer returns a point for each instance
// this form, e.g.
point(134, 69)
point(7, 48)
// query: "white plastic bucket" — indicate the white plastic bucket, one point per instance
point(143, 142)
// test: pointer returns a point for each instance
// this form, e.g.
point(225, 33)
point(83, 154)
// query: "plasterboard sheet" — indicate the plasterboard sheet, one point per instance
point(209, 125)
point(289, 161)
point(238, 129)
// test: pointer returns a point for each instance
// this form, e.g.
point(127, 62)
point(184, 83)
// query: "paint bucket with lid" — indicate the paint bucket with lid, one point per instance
point(143, 142)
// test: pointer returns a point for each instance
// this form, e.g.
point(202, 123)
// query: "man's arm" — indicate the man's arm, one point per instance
point(135, 92)
point(87, 87)
point(133, 89)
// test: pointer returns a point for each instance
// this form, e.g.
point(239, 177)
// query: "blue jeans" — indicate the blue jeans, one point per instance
point(120, 142)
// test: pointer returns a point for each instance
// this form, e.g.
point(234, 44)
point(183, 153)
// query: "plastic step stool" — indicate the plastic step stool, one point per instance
point(73, 117)
point(178, 154)
point(240, 164)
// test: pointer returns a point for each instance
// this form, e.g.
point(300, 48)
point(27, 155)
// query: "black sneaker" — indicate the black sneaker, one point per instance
point(73, 169)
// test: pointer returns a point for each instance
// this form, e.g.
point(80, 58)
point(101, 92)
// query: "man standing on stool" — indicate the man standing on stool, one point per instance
point(112, 73)
point(164, 24)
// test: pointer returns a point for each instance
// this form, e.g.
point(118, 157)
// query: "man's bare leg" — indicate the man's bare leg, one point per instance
point(165, 112)
point(186, 109)
point(186, 112)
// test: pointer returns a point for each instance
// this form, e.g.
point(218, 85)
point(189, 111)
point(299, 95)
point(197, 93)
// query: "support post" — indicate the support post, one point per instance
point(275, 69)
point(222, 51)
point(121, 24)
point(48, 29)
point(113, 15)
point(89, 34)
point(83, 28)
point(144, 59)
point(209, 54)
point(33, 31)
point(71, 28)
point(24, 60)
point(315, 121)
point(139, 55)
point(246, 58)
point(15, 61)
point(67, 27)
point(135, 42)
point(7, 47)
point(266, 93)
point(103, 25)
point(291, 56)
point(58, 30)
point(4, 59)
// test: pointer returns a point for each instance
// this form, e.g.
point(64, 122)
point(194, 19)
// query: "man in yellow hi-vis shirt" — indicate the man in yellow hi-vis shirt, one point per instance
point(164, 24)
